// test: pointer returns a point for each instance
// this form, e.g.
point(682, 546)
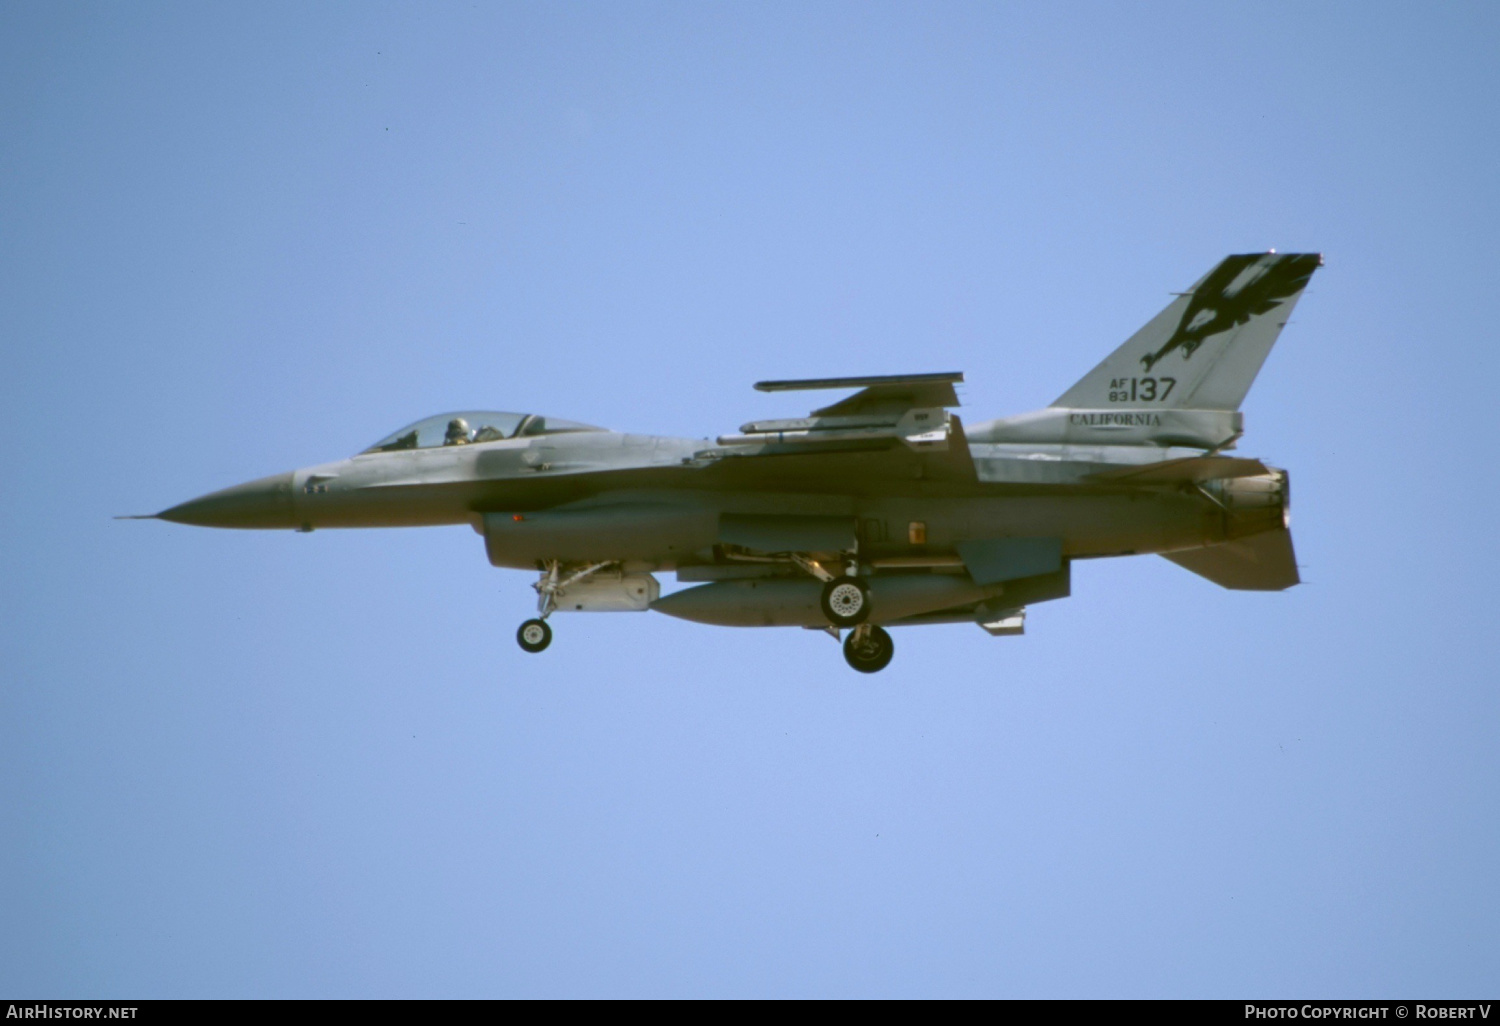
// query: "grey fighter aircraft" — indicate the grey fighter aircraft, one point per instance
point(879, 510)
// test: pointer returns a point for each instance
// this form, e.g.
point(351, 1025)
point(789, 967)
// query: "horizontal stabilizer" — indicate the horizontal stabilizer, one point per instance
point(1262, 562)
point(1190, 469)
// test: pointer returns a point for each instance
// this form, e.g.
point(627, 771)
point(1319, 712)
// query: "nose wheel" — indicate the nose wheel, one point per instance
point(534, 635)
point(868, 649)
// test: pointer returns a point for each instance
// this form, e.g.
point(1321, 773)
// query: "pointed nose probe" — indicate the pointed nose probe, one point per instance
point(264, 503)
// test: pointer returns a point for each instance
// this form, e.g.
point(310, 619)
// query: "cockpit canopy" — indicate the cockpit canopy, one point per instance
point(470, 427)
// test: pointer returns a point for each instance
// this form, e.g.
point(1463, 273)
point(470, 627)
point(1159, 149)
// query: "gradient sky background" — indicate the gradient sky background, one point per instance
point(240, 238)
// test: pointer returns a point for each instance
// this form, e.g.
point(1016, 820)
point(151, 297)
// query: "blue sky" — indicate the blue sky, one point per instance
point(237, 239)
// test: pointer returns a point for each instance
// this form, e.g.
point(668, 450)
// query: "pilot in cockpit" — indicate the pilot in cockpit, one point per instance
point(457, 433)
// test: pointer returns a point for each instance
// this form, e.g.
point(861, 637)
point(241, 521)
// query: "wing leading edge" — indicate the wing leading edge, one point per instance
point(879, 393)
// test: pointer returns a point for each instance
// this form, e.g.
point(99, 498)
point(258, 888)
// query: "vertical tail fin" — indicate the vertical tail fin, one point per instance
point(1203, 351)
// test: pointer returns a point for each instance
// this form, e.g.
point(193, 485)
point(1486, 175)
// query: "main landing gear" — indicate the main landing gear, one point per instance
point(868, 648)
point(846, 597)
point(846, 601)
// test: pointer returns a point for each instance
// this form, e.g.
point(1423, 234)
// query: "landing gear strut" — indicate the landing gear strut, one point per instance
point(868, 648)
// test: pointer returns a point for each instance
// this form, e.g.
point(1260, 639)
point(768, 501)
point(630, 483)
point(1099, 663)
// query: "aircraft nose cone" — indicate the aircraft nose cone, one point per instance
point(263, 503)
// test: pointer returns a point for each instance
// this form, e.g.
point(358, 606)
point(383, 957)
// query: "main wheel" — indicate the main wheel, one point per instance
point(871, 653)
point(846, 601)
point(534, 635)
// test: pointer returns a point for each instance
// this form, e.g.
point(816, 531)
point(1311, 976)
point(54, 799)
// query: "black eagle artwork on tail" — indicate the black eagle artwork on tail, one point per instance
point(1214, 308)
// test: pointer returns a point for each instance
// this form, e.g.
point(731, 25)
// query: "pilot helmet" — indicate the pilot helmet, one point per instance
point(458, 432)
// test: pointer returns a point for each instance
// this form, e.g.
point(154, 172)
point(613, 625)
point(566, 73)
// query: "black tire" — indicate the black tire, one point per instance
point(534, 635)
point(846, 601)
point(873, 655)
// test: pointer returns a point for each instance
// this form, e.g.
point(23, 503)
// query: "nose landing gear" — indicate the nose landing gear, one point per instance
point(534, 635)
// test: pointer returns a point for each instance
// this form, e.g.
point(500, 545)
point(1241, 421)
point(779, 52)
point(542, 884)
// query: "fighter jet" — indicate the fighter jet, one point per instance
point(880, 510)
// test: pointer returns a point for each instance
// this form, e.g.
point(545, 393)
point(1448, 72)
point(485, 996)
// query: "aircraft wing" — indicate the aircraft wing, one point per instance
point(896, 427)
point(859, 465)
point(1262, 562)
point(881, 393)
point(906, 408)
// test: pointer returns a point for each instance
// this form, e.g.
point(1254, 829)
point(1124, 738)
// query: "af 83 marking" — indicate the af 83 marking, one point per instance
point(1140, 390)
